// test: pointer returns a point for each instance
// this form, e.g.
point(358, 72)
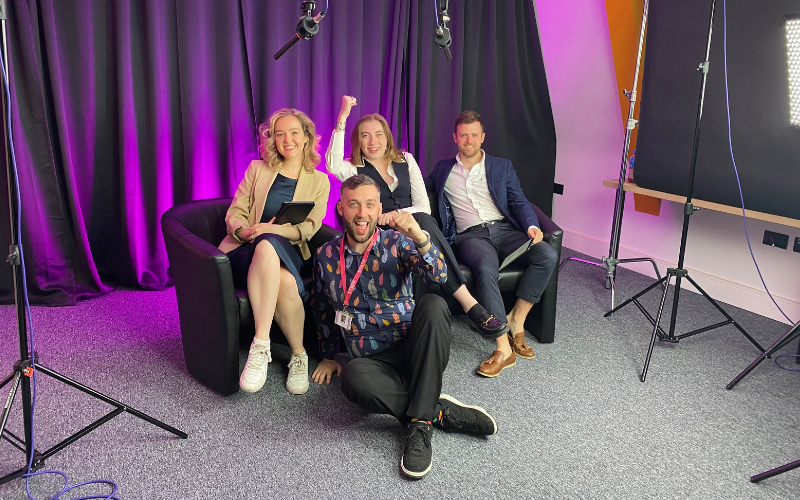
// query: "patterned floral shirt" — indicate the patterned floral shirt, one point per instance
point(381, 303)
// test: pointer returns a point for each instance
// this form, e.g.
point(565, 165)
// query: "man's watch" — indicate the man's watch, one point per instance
point(427, 239)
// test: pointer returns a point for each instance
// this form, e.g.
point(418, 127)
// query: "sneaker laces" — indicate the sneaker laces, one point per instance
point(416, 445)
point(296, 366)
point(258, 356)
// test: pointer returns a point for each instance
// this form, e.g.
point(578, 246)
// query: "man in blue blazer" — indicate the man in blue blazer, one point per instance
point(486, 215)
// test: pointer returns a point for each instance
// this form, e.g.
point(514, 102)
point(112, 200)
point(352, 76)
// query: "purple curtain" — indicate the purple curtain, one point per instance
point(122, 109)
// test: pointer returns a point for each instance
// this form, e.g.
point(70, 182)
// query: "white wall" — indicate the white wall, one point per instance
point(583, 93)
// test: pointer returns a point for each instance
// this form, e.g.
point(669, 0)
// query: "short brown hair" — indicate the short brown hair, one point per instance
point(269, 152)
point(356, 182)
point(356, 156)
point(468, 117)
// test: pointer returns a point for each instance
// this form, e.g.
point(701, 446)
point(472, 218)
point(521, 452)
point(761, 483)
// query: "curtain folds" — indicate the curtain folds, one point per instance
point(123, 109)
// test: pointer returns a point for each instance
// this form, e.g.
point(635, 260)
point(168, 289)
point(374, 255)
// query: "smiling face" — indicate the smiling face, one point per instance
point(289, 137)
point(373, 140)
point(360, 208)
point(469, 137)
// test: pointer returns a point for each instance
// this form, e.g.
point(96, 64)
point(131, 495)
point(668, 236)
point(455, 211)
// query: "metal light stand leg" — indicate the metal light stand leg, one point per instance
point(680, 272)
point(24, 368)
point(611, 262)
point(789, 336)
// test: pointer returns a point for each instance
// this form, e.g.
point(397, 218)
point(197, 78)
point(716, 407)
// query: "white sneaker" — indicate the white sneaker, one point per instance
point(255, 370)
point(297, 382)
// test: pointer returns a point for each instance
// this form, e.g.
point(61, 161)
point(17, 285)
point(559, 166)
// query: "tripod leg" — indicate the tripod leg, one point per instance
point(609, 313)
point(9, 401)
point(110, 401)
point(775, 472)
point(789, 336)
point(722, 311)
point(655, 328)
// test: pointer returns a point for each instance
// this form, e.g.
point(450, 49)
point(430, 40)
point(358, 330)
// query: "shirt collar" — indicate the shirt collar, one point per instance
point(377, 248)
point(483, 159)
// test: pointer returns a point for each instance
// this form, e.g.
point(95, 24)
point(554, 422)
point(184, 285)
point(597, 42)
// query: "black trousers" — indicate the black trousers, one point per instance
point(485, 248)
point(405, 379)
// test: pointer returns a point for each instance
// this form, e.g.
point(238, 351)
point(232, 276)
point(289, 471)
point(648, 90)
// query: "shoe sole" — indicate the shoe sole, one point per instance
point(415, 475)
point(525, 357)
point(453, 400)
point(498, 373)
point(252, 390)
point(298, 392)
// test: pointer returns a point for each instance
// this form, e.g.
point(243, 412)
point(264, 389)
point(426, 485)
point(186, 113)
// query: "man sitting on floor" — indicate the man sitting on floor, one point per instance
point(398, 348)
point(481, 200)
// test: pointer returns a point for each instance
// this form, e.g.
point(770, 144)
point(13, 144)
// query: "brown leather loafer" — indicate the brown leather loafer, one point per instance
point(520, 347)
point(496, 363)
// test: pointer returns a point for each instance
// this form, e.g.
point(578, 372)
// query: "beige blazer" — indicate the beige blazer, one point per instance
point(248, 203)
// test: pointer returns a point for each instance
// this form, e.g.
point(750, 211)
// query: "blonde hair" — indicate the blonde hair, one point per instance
point(268, 150)
point(356, 155)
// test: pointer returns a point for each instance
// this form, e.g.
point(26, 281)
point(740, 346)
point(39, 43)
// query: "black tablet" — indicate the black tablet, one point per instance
point(293, 212)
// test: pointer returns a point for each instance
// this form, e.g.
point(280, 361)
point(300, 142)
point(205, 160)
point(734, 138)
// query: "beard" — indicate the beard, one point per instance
point(350, 229)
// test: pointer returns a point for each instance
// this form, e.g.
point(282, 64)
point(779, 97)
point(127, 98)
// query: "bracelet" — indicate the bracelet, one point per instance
point(427, 240)
point(340, 125)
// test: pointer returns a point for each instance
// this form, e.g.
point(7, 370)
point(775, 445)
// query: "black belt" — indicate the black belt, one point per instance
point(482, 225)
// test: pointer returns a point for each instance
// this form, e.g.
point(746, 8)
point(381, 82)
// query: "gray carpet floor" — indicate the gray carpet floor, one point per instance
point(575, 422)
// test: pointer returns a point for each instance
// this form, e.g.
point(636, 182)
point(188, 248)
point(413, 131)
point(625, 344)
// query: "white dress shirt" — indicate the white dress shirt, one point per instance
point(342, 169)
point(468, 194)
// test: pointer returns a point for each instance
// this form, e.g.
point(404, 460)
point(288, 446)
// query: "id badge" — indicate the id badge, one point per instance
point(344, 319)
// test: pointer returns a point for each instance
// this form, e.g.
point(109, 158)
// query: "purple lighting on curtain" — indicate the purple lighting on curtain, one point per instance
point(125, 109)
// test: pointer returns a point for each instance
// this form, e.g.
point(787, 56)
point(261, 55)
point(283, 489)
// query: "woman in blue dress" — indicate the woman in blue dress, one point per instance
point(266, 257)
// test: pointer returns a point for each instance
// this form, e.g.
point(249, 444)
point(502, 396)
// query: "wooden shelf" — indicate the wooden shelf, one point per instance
point(752, 214)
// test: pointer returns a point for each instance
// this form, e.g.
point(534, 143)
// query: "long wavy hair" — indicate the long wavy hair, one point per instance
point(269, 152)
point(357, 156)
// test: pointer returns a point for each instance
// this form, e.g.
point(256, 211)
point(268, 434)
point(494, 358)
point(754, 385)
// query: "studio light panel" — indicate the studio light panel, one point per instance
point(793, 53)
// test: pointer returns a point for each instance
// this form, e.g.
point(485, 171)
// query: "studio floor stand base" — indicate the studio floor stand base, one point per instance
point(610, 265)
point(21, 378)
point(658, 332)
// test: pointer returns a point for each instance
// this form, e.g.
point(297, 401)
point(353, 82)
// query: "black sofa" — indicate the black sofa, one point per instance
point(212, 312)
point(541, 321)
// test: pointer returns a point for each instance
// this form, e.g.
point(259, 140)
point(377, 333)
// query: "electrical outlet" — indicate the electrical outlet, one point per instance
point(776, 240)
point(796, 245)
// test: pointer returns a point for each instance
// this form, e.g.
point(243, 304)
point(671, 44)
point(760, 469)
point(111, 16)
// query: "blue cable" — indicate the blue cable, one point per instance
point(29, 474)
point(736, 171)
point(436, 12)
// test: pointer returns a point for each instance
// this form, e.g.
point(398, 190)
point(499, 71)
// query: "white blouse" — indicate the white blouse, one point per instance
point(342, 169)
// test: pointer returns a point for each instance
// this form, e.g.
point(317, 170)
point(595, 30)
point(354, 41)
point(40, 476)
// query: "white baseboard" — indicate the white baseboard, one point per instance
point(730, 292)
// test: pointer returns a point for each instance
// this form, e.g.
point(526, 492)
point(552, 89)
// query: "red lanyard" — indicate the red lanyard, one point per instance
point(360, 267)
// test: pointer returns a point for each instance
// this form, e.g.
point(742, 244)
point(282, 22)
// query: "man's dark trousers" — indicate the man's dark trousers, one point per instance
point(405, 379)
point(483, 249)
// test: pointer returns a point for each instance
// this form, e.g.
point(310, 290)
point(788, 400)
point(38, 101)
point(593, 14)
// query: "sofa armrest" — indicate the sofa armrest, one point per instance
point(207, 306)
point(325, 234)
point(552, 233)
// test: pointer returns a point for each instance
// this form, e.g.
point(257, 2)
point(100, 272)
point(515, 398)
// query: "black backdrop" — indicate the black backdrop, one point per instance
point(766, 146)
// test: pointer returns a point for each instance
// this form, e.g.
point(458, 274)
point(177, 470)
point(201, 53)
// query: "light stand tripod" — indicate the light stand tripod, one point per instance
point(789, 336)
point(611, 262)
point(680, 272)
point(23, 369)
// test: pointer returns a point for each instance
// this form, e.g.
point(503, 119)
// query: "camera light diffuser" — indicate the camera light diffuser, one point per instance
point(793, 52)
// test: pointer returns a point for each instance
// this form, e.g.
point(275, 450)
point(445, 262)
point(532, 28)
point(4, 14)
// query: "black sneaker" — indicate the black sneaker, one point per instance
point(458, 417)
point(417, 459)
point(488, 326)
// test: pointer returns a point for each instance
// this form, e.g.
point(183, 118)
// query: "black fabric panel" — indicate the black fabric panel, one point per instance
point(766, 146)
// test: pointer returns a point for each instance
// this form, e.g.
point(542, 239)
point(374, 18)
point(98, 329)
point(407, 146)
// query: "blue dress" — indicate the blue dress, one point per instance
point(241, 257)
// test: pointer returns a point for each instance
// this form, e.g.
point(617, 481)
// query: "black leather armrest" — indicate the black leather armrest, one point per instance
point(325, 234)
point(207, 306)
point(552, 233)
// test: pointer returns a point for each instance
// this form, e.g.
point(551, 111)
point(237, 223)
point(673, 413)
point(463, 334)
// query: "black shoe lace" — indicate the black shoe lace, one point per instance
point(415, 444)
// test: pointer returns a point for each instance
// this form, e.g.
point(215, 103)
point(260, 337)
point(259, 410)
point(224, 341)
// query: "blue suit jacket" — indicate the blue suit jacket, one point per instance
point(504, 189)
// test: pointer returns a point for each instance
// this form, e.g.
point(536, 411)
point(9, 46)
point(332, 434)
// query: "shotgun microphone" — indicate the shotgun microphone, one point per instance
point(441, 34)
point(307, 27)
